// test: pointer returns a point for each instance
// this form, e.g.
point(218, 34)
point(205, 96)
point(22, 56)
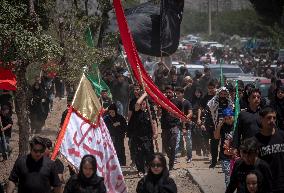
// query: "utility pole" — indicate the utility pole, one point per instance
point(209, 17)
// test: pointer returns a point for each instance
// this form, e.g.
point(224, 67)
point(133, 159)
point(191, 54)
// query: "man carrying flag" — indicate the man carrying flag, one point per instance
point(84, 132)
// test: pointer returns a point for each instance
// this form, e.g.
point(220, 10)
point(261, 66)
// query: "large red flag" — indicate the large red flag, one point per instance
point(137, 66)
point(7, 79)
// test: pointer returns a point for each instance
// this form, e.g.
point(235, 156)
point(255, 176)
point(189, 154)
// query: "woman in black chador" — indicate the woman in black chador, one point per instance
point(157, 179)
point(116, 125)
point(86, 181)
point(38, 110)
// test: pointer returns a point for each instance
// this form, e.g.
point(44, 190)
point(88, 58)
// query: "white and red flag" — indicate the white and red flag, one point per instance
point(84, 132)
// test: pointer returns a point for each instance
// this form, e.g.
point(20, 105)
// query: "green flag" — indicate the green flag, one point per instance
point(89, 37)
point(97, 81)
point(237, 106)
point(94, 74)
point(221, 75)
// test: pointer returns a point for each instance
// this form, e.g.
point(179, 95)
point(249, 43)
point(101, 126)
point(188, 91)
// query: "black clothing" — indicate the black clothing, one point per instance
point(142, 123)
point(205, 100)
point(34, 177)
point(142, 138)
point(167, 120)
point(144, 150)
point(63, 116)
point(248, 125)
point(117, 133)
point(38, 109)
point(240, 171)
point(280, 74)
point(59, 166)
point(93, 185)
point(224, 132)
point(1, 188)
point(186, 106)
point(157, 183)
point(131, 121)
point(6, 99)
point(278, 105)
point(6, 120)
point(272, 151)
point(119, 130)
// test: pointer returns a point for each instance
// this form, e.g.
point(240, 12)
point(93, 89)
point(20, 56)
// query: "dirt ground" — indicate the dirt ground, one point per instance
point(179, 174)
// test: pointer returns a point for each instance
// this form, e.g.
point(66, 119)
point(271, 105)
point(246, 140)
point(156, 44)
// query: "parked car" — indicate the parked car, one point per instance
point(191, 68)
point(246, 79)
point(229, 71)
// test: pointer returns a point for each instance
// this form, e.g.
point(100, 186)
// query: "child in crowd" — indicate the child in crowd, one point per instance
point(224, 128)
point(254, 182)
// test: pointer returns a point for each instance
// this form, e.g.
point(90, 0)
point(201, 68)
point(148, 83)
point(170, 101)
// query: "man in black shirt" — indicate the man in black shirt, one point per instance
point(58, 164)
point(271, 147)
point(34, 173)
point(248, 120)
point(203, 110)
point(170, 128)
point(186, 127)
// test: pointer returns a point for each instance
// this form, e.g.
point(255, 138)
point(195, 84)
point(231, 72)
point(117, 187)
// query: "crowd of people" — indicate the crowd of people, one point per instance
point(250, 149)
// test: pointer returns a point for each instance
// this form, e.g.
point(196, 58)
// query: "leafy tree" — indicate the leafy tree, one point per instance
point(271, 11)
point(22, 42)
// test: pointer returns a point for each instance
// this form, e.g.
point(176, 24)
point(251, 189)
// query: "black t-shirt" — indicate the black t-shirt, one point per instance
point(142, 124)
point(169, 121)
point(6, 120)
point(34, 177)
point(186, 106)
point(248, 125)
point(132, 104)
point(272, 151)
point(59, 166)
point(240, 171)
point(205, 100)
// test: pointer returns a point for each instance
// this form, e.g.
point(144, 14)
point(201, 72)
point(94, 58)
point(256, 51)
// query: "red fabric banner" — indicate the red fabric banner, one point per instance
point(137, 65)
point(7, 79)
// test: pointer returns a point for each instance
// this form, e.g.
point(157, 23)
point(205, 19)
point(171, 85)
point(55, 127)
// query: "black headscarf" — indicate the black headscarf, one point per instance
point(94, 179)
point(153, 183)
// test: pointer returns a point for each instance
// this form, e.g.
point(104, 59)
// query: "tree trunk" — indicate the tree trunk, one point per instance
point(31, 7)
point(21, 107)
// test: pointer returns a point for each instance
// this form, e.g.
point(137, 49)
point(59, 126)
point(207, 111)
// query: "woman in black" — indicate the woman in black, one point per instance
point(86, 181)
point(116, 125)
point(199, 137)
point(278, 105)
point(38, 111)
point(157, 179)
point(145, 131)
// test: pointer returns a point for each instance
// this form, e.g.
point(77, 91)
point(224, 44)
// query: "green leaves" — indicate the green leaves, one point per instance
point(28, 45)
